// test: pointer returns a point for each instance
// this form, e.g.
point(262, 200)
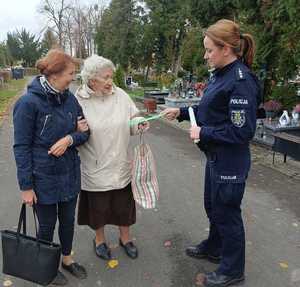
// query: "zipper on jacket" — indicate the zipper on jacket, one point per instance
point(45, 122)
point(71, 117)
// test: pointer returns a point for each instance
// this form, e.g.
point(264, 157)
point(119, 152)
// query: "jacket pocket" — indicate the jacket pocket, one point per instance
point(231, 188)
point(231, 193)
point(230, 178)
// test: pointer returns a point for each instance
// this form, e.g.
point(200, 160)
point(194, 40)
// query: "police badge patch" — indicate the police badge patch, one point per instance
point(238, 118)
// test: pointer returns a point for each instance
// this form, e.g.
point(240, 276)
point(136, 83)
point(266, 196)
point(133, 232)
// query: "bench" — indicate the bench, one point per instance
point(287, 144)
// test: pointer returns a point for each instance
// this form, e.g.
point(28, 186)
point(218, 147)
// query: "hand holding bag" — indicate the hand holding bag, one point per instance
point(144, 180)
point(27, 257)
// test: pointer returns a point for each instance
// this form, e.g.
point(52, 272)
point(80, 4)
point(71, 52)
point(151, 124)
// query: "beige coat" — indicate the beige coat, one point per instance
point(105, 162)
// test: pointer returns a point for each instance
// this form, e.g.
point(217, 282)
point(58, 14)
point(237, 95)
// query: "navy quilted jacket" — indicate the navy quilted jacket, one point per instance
point(40, 120)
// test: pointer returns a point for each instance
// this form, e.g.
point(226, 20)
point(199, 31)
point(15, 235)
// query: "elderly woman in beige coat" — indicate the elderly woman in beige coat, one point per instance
point(106, 196)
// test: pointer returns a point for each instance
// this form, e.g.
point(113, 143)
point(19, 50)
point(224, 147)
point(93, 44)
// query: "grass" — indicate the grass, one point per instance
point(135, 93)
point(9, 91)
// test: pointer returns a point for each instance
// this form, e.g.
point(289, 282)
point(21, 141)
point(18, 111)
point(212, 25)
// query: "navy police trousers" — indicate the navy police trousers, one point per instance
point(222, 203)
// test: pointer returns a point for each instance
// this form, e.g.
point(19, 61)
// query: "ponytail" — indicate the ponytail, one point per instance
point(247, 49)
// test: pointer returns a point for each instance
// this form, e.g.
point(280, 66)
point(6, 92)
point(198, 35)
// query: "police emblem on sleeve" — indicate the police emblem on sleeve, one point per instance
point(238, 118)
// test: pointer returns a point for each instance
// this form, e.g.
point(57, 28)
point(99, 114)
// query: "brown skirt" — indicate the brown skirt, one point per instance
point(116, 207)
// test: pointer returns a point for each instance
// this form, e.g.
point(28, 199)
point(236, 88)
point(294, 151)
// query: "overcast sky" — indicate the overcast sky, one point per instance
point(15, 14)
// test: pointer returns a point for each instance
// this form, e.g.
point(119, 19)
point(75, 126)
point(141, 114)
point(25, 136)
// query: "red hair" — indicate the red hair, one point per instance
point(54, 62)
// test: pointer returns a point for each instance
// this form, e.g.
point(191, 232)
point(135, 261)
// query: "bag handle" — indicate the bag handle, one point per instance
point(142, 143)
point(34, 216)
point(22, 220)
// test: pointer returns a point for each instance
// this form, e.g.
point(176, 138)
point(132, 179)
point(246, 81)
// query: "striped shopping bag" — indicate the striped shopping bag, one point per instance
point(144, 180)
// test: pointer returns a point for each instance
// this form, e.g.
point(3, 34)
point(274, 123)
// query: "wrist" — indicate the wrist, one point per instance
point(69, 139)
point(27, 190)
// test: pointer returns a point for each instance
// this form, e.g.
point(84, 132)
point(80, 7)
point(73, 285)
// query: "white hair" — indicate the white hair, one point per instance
point(93, 65)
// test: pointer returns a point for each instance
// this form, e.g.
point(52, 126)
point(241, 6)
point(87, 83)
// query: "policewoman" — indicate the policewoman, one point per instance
point(226, 123)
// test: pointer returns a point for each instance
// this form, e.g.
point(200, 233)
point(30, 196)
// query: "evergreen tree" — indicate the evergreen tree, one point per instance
point(29, 48)
point(116, 35)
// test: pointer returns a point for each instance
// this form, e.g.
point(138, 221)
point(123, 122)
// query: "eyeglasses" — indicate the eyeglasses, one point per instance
point(106, 79)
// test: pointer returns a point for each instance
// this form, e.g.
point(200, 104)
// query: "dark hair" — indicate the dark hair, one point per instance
point(54, 62)
point(227, 32)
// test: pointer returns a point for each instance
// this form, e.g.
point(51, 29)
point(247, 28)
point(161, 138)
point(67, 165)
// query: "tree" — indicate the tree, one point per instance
point(168, 22)
point(30, 49)
point(276, 28)
point(207, 12)
point(22, 46)
point(14, 46)
point(55, 11)
point(116, 33)
point(5, 58)
point(167, 35)
point(192, 53)
point(49, 41)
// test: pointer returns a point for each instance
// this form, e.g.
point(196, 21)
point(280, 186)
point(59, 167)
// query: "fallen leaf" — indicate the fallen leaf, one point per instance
point(278, 209)
point(7, 283)
point(113, 263)
point(284, 265)
point(168, 243)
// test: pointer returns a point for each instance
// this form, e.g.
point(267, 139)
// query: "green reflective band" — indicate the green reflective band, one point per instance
point(135, 121)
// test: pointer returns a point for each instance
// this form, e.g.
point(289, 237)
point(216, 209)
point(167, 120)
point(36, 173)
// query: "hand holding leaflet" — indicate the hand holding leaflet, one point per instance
point(193, 120)
point(137, 121)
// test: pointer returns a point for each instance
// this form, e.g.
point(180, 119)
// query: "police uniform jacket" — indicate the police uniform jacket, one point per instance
point(227, 117)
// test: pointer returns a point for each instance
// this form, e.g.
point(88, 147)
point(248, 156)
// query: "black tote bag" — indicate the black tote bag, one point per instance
point(28, 257)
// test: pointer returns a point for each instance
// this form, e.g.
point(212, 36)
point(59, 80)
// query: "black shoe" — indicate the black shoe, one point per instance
point(196, 251)
point(102, 251)
point(213, 279)
point(130, 249)
point(75, 269)
point(60, 279)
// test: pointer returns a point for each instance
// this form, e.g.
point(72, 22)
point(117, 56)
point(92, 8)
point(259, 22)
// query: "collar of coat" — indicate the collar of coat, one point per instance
point(85, 92)
point(53, 95)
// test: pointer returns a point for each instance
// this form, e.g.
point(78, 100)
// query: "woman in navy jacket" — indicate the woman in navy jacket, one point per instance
point(226, 122)
point(47, 129)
